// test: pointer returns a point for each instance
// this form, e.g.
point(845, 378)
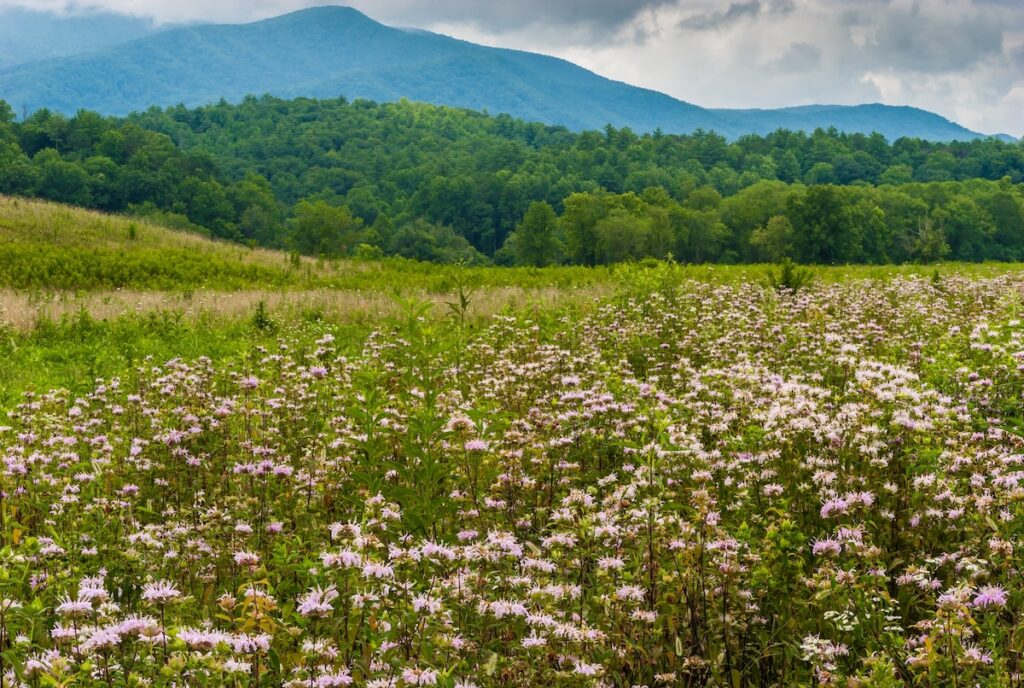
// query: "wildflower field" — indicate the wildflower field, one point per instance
point(686, 483)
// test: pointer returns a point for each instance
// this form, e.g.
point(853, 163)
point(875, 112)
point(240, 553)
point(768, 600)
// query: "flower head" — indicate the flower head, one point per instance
point(160, 592)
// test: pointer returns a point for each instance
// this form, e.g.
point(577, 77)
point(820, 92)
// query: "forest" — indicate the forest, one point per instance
point(337, 178)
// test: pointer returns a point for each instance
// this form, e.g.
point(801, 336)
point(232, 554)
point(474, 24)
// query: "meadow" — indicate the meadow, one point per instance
point(384, 474)
point(87, 295)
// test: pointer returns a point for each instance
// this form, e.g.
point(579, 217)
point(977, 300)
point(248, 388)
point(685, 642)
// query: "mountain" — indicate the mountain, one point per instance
point(330, 51)
point(889, 120)
point(28, 35)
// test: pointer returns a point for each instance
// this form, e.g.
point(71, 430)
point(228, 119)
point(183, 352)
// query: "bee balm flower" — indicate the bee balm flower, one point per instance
point(160, 592)
point(989, 596)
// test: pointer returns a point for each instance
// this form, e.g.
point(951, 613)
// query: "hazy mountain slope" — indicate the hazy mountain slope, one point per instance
point(891, 121)
point(29, 36)
point(325, 52)
point(331, 51)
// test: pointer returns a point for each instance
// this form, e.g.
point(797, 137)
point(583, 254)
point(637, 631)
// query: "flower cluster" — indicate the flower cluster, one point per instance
point(702, 485)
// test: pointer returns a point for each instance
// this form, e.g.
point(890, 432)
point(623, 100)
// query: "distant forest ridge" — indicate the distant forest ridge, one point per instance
point(325, 52)
point(334, 178)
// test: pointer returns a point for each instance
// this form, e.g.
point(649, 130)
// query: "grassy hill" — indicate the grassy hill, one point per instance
point(53, 246)
point(330, 51)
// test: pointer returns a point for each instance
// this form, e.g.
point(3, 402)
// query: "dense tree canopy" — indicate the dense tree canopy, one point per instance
point(333, 177)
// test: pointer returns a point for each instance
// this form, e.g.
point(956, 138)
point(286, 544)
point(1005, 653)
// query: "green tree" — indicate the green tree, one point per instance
point(929, 242)
point(821, 173)
point(823, 230)
point(968, 228)
point(534, 241)
point(321, 229)
point(17, 173)
point(621, 236)
point(774, 241)
point(700, 235)
point(257, 210)
point(897, 174)
point(579, 220)
point(206, 203)
point(6, 112)
point(60, 180)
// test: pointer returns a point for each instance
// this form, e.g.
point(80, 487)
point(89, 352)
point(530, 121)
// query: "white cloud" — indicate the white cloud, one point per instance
point(889, 86)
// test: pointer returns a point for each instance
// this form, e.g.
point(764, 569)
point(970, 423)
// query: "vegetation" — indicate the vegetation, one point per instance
point(48, 246)
point(333, 178)
point(78, 299)
point(790, 277)
point(690, 483)
point(252, 438)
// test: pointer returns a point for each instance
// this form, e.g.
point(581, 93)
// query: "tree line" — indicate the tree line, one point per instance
point(771, 221)
point(333, 177)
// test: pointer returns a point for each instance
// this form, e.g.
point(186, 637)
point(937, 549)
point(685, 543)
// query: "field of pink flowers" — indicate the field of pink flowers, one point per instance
point(690, 485)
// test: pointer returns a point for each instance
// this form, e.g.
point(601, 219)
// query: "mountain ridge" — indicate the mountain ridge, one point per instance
point(333, 50)
point(64, 35)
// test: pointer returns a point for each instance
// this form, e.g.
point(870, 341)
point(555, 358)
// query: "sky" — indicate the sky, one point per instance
point(963, 59)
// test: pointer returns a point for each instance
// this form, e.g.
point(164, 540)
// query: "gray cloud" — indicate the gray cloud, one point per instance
point(512, 15)
point(1017, 58)
point(781, 6)
point(492, 16)
point(933, 41)
point(711, 20)
point(719, 20)
point(797, 58)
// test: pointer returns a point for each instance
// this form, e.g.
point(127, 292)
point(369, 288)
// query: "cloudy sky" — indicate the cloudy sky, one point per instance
point(961, 58)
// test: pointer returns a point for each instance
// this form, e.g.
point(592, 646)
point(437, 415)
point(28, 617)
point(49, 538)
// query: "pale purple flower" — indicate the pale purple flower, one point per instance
point(989, 596)
point(72, 609)
point(160, 592)
point(102, 639)
point(827, 547)
point(584, 669)
point(317, 603)
point(419, 677)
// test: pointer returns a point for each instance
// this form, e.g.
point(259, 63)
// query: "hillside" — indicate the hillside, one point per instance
point(331, 51)
point(54, 246)
point(29, 36)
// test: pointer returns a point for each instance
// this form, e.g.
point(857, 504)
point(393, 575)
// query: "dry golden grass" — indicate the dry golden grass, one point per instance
point(23, 311)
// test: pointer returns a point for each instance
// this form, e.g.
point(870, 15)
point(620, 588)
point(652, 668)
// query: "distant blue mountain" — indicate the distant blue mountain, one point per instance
point(892, 121)
point(28, 36)
point(331, 51)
